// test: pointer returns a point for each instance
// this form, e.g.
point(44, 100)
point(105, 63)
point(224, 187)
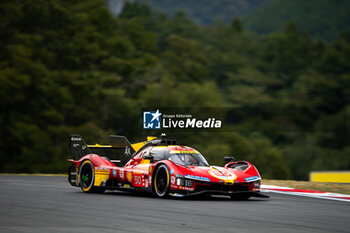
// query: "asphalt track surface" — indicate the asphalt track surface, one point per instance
point(50, 204)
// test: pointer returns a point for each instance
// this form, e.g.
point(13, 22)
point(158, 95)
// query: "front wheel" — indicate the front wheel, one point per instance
point(87, 178)
point(161, 181)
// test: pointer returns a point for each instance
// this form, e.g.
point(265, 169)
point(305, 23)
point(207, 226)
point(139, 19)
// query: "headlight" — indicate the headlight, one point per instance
point(180, 182)
point(184, 182)
point(188, 183)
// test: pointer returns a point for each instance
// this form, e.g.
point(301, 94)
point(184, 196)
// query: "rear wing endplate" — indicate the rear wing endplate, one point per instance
point(78, 147)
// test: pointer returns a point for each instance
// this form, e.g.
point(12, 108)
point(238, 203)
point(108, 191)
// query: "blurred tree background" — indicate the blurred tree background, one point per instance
point(71, 67)
point(323, 19)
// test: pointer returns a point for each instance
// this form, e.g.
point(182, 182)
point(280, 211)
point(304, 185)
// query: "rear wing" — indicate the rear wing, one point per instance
point(119, 147)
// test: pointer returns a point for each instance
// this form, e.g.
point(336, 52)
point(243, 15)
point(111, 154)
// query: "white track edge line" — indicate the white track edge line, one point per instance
point(308, 195)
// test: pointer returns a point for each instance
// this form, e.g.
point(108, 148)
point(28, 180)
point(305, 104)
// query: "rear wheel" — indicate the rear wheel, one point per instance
point(87, 178)
point(161, 181)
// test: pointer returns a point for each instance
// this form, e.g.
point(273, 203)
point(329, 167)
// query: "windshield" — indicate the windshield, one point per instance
point(188, 159)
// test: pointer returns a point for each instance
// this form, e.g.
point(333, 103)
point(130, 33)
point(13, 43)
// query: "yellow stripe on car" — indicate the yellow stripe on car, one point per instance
point(100, 176)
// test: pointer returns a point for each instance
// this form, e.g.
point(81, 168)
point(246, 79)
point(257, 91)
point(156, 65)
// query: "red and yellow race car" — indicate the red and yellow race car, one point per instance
point(158, 166)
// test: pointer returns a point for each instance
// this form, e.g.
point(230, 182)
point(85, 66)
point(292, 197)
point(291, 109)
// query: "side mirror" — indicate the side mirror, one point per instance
point(228, 159)
point(149, 156)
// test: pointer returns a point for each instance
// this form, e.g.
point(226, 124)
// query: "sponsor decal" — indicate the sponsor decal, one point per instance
point(114, 172)
point(138, 172)
point(186, 188)
point(121, 174)
point(129, 176)
point(138, 180)
point(201, 178)
point(75, 139)
point(172, 171)
point(151, 120)
point(184, 152)
point(102, 168)
point(173, 180)
point(126, 185)
point(127, 151)
point(252, 178)
point(150, 169)
point(223, 175)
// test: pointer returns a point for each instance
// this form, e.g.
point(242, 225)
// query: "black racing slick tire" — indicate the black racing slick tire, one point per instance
point(161, 181)
point(87, 178)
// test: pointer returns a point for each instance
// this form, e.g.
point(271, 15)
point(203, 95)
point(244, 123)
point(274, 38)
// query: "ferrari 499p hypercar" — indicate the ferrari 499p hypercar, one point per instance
point(158, 166)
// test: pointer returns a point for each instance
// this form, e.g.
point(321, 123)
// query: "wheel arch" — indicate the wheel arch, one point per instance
point(79, 171)
point(92, 188)
point(169, 164)
point(155, 172)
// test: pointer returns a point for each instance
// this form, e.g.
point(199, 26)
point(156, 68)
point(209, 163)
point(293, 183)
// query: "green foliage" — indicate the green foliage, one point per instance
point(70, 67)
point(208, 11)
point(268, 159)
point(168, 92)
point(185, 60)
point(280, 54)
point(321, 18)
point(131, 10)
point(236, 25)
